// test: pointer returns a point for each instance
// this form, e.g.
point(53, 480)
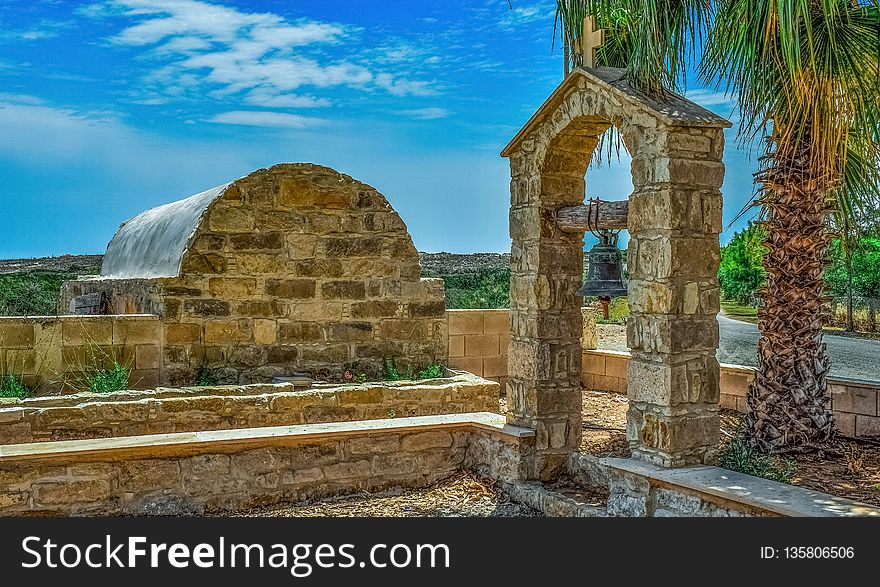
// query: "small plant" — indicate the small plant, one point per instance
point(11, 386)
point(739, 455)
point(205, 376)
point(435, 371)
point(855, 459)
point(390, 371)
point(115, 378)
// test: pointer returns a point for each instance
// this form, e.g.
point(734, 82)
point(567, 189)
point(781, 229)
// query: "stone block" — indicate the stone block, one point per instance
point(260, 309)
point(864, 401)
point(348, 470)
point(344, 290)
point(250, 241)
point(87, 332)
point(71, 492)
point(195, 263)
point(319, 268)
point(426, 440)
point(495, 366)
point(354, 246)
point(182, 333)
point(846, 423)
point(496, 321)
point(260, 263)
point(373, 444)
point(349, 331)
point(230, 219)
point(867, 425)
point(232, 287)
point(227, 331)
point(206, 308)
point(291, 332)
point(482, 345)
point(136, 331)
point(147, 356)
point(282, 354)
point(265, 331)
point(375, 309)
point(394, 464)
point(470, 364)
point(402, 330)
point(465, 322)
point(456, 346)
point(433, 309)
point(291, 289)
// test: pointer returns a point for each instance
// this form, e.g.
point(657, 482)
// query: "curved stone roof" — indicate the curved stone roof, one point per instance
point(152, 244)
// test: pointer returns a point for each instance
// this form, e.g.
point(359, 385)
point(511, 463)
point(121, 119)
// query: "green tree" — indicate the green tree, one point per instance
point(742, 265)
point(806, 76)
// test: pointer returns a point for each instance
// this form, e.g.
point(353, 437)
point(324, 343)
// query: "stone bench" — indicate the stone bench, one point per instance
point(641, 489)
point(191, 472)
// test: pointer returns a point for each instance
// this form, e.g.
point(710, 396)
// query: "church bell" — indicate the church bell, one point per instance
point(604, 275)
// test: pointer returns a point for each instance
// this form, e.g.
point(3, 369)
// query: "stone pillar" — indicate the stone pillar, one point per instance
point(674, 222)
point(544, 360)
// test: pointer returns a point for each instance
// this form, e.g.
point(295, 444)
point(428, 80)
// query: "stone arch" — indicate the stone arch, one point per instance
point(674, 222)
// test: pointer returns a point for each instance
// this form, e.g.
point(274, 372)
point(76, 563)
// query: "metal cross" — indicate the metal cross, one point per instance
point(592, 39)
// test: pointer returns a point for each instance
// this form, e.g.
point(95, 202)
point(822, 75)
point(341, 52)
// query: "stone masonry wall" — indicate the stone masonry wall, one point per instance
point(295, 268)
point(166, 410)
point(239, 469)
point(59, 353)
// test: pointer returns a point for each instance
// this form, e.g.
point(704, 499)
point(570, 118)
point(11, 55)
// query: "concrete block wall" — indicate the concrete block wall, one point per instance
point(57, 353)
point(856, 403)
point(478, 341)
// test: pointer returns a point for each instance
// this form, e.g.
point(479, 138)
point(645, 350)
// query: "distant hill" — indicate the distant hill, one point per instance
point(433, 264)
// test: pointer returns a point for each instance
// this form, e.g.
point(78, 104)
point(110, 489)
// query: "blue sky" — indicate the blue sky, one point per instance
point(109, 107)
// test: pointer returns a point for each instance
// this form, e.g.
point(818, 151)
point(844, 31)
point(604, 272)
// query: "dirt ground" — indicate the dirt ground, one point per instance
point(850, 468)
point(463, 495)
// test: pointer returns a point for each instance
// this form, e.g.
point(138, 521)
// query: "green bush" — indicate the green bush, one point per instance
point(432, 372)
point(742, 265)
point(11, 386)
point(489, 288)
point(739, 455)
point(115, 378)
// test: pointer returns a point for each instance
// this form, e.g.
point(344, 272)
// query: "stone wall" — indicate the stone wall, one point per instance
point(238, 469)
point(292, 268)
point(854, 402)
point(60, 353)
point(166, 410)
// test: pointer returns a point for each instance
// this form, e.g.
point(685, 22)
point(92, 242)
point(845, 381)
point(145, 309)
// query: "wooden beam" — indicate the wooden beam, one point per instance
point(612, 216)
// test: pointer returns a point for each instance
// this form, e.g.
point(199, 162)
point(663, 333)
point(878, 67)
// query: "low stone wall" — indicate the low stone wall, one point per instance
point(58, 353)
point(856, 404)
point(237, 469)
point(640, 489)
point(167, 410)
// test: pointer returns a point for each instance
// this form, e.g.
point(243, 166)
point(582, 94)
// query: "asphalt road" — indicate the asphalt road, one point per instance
point(858, 358)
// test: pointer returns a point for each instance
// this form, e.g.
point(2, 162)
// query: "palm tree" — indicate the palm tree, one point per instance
point(805, 74)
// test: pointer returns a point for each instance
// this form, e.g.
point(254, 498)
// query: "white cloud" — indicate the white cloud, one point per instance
point(426, 113)
point(263, 55)
point(526, 15)
point(271, 98)
point(265, 118)
point(706, 97)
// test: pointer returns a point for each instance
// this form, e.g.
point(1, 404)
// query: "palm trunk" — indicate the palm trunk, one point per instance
point(788, 402)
